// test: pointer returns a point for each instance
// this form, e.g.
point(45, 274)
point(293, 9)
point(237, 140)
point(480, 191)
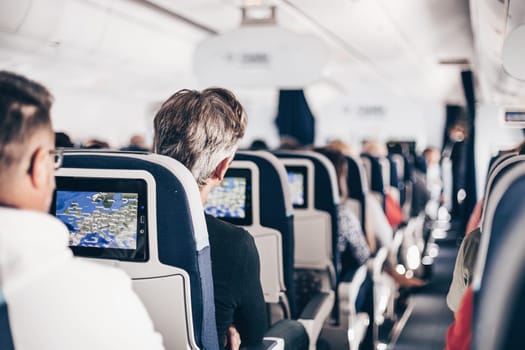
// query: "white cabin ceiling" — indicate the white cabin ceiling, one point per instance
point(396, 45)
point(393, 47)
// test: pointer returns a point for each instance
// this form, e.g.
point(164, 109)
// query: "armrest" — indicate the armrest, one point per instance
point(314, 315)
point(349, 291)
point(267, 344)
point(313, 306)
point(378, 262)
point(291, 333)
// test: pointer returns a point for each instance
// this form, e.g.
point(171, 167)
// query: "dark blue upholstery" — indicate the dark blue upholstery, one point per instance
point(376, 176)
point(274, 215)
point(511, 205)
point(498, 260)
point(396, 180)
point(175, 235)
point(323, 192)
point(355, 187)
point(6, 340)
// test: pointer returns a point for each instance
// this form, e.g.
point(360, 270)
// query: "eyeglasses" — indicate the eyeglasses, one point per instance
point(58, 155)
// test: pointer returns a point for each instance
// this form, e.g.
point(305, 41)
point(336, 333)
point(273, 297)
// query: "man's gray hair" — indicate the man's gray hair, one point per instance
point(200, 129)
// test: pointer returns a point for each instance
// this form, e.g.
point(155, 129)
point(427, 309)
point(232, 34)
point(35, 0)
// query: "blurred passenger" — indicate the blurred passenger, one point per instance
point(62, 140)
point(137, 143)
point(54, 301)
point(352, 243)
point(95, 144)
point(289, 143)
point(342, 147)
point(434, 183)
point(259, 145)
point(375, 148)
point(202, 130)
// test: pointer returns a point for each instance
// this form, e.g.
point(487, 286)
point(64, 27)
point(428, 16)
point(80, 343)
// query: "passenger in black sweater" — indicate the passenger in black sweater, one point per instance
point(202, 130)
point(238, 293)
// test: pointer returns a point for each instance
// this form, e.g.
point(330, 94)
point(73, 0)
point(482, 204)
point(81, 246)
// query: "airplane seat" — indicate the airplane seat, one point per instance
point(357, 184)
point(397, 162)
point(276, 211)
point(500, 260)
point(408, 181)
point(317, 198)
point(500, 314)
point(374, 172)
point(172, 252)
point(320, 203)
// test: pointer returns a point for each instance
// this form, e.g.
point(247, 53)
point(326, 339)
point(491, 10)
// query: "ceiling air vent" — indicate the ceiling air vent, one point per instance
point(454, 61)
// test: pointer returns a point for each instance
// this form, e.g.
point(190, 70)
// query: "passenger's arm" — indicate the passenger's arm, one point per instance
point(250, 316)
point(464, 269)
point(458, 285)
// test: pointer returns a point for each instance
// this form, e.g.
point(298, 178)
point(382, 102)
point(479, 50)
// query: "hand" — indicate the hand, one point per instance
point(233, 338)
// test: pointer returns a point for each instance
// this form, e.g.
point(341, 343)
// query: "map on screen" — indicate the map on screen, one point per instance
point(296, 182)
point(99, 219)
point(228, 200)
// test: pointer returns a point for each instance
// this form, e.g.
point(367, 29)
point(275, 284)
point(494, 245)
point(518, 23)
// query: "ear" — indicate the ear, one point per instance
point(221, 169)
point(40, 169)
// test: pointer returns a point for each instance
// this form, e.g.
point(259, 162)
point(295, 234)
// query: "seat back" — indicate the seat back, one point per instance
point(374, 172)
point(237, 200)
point(500, 313)
point(276, 210)
point(173, 278)
point(357, 184)
point(499, 280)
point(324, 189)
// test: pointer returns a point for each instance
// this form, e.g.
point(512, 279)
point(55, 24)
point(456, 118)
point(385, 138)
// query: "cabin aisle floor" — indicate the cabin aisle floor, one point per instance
point(427, 326)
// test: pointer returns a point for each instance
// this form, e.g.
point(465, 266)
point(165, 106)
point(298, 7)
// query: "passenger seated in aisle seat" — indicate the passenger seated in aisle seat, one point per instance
point(352, 245)
point(54, 300)
point(202, 130)
point(377, 223)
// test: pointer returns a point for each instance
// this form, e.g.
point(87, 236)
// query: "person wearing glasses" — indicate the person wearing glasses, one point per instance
point(50, 299)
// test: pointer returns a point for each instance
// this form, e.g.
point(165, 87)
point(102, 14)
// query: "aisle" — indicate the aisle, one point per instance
point(430, 318)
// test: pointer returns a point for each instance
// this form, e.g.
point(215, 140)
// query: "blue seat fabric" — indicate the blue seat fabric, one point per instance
point(273, 215)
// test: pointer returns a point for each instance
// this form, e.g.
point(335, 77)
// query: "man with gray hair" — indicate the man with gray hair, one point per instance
point(48, 298)
point(202, 130)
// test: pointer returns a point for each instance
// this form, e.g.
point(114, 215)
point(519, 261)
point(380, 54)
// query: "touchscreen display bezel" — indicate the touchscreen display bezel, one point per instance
point(300, 169)
point(117, 185)
point(248, 208)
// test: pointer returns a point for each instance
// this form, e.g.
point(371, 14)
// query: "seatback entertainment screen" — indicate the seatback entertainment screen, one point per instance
point(231, 199)
point(106, 217)
point(297, 181)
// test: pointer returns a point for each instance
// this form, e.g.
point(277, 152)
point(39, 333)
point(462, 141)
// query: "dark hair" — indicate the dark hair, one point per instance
point(95, 144)
point(199, 129)
point(24, 109)
point(63, 140)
